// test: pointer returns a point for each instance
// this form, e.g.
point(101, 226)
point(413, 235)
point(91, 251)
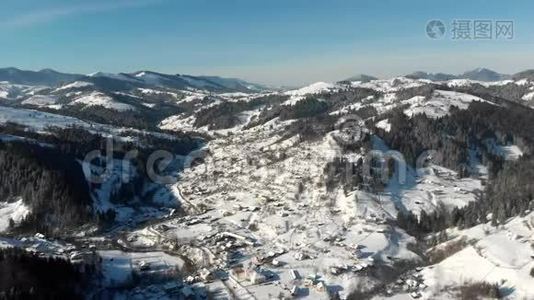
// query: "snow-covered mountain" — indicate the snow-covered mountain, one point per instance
point(478, 74)
point(278, 176)
point(179, 81)
point(483, 74)
point(527, 74)
point(432, 76)
point(361, 77)
point(45, 77)
point(51, 78)
point(401, 188)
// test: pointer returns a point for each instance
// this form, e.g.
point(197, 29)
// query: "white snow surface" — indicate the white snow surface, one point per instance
point(149, 78)
point(468, 82)
point(244, 183)
point(41, 121)
point(384, 124)
point(16, 211)
point(41, 100)
point(426, 188)
point(74, 85)
point(510, 152)
point(314, 88)
point(390, 85)
point(528, 96)
point(117, 266)
point(500, 255)
point(100, 99)
point(17, 91)
point(439, 104)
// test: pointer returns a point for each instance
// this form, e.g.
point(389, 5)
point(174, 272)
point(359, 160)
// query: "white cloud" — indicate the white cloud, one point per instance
point(51, 14)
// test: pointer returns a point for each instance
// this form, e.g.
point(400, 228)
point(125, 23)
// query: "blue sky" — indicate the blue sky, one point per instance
point(277, 42)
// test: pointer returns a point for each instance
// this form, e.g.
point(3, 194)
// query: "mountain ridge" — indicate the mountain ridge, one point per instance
point(52, 78)
point(478, 74)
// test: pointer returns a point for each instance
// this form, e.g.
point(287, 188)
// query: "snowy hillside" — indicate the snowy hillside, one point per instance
point(399, 188)
point(314, 88)
point(99, 99)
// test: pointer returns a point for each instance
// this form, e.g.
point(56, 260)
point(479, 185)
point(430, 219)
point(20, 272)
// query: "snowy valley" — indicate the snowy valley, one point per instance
point(403, 188)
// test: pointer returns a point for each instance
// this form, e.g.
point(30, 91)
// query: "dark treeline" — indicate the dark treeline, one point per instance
point(78, 141)
point(347, 170)
point(338, 100)
point(50, 183)
point(100, 114)
point(312, 128)
point(318, 105)
point(511, 92)
point(413, 136)
point(309, 107)
point(510, 189)
point(45, 171)
point(25, 275)
point(510, 193)
point(222, 116)
point(227, 114)
point(141, 117)
point(452, 136)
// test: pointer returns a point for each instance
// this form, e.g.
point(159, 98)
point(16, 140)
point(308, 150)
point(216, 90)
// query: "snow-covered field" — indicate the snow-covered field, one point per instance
point(11, 91)
point(41, 121)
point(502, 255)
point(74, 85)
point(118, 265)
point(100, 99)
point(15, 211)
point(41, 101)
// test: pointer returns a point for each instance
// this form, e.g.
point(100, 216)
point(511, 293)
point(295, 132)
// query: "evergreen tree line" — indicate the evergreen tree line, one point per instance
point(227, 114)
point(50, 183)
point(454, 135)
point(142, 117)
point(45, 171)
point(510, 190)
point(496, 93)
point(78, 141)
point(25, 275)
point(508, 194)
point(318, 105)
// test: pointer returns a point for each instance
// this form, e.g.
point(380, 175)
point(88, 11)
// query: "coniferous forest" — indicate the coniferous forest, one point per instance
point(25, 275)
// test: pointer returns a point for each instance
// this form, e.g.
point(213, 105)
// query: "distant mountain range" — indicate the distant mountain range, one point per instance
point(125, 81)
point(46, 77)
point(149, 79)
point(527, 74)
point(479, 74)
point(360, 77)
